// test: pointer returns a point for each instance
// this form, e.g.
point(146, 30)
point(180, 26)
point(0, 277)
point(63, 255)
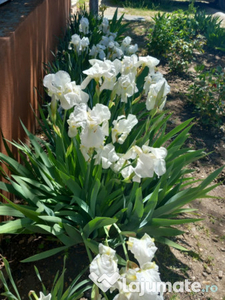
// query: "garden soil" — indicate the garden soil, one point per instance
point(205, 240)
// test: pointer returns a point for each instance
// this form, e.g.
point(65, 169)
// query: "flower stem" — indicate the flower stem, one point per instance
point(105, 296)
point(122, 242)
point(32, 293)
point(107, 235)
point(87, 249)
point(64, 121)
point(53, 109)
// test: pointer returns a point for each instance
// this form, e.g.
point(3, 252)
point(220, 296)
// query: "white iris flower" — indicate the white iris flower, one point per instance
point(106, 155)
point(143, 249)
point(126, 86)
point(122, 127)
point(43, 297)
point(60, 87)
point(156, 97)
point(84, 25)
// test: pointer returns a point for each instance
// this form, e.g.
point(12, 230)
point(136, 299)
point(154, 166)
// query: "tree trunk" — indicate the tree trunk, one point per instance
point(93, 6)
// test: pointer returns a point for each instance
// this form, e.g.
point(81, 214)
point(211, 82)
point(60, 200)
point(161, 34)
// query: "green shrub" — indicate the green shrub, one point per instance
point(175, 37)
point(207, 94)
point(210, 27)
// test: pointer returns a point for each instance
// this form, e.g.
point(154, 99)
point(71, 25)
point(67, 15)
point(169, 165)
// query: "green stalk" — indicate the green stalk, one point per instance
point(105, 296)
point(87, 249)
point(62, 135)
point(97, 94)
point(86, 183)
point(122, 241)
point(53, 109)
point(107, 235)
point(32, 293)
point(64, 121)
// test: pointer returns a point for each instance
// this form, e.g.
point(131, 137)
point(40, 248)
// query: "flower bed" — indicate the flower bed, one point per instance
point(108, 172)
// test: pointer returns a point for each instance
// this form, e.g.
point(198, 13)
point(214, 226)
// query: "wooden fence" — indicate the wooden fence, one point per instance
point(22, 54)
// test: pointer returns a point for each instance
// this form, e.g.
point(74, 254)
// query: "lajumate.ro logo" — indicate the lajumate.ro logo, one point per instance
point(105, 282)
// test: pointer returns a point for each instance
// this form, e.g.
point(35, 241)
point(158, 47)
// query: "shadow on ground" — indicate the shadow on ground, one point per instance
point(163, 6)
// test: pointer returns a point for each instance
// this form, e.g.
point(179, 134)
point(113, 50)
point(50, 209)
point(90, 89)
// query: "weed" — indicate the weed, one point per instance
point(212, 220)
point(210, 27)
point(175, 37)
point(207, 232)
point(205, 266)
point(207, 95)
point(175, 297)
point(209, 260)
